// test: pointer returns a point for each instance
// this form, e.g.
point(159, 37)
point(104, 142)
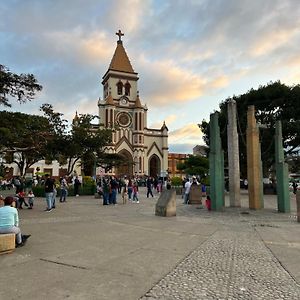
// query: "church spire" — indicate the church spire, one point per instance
point(120, 60)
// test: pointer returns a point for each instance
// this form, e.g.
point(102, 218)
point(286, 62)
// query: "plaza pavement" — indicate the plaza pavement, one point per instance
point(83, 250)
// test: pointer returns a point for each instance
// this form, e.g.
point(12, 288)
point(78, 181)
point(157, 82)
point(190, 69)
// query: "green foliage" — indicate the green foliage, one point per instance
point(205, 180)
point(272, 102)
point(88, 180)
point(87, 189)
point(24, 139)
point(23, 86)
point(84, 141)
point(195, 165)
point(176, 181)
point(38, 191)
point(110, 160)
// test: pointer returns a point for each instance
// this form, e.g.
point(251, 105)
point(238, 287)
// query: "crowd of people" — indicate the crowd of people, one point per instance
point(109, 187)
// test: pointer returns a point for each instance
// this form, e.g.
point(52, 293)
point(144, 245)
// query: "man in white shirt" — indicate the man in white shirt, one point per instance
point(187, 188)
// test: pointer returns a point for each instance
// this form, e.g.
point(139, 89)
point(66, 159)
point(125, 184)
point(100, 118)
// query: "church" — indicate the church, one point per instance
point(145, 149)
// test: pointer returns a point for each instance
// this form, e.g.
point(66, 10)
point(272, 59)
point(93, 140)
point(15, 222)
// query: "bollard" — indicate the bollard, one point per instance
point(298, 205)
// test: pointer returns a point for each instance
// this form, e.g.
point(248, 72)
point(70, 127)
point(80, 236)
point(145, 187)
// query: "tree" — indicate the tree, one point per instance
point(84, 142)
point(24, 138)
point(272, 102)
point(109, 160)
point(195, 165)
point(23, 86)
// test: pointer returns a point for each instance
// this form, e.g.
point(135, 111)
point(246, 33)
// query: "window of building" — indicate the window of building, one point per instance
point(120, 88)
point(105, 90)
point(127, 88)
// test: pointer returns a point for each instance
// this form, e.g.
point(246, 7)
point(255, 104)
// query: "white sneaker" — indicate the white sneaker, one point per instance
point(137, 201)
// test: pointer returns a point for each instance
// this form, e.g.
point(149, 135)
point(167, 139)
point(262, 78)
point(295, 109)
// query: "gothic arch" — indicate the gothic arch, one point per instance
point(154, 166)
point(126, 168)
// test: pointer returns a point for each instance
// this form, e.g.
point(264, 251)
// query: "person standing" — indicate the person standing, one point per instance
point(30, 199)
point(105, 191)
point(149, 183)
point(135, 193)
point(77, 184)
point(63, 189)
point(187, 188)
point(130, 189)
point(114, 189)
point(55, 186)
point(49, 187)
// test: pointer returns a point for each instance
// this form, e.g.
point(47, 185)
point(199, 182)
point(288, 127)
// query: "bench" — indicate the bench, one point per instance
point(7, 243)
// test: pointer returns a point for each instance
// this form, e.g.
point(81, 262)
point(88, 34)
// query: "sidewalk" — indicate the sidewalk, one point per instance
point(83, 250)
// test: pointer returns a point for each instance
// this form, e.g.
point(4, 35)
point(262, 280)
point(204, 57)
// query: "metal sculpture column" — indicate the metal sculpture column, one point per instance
point(253, 161)
point(283, 194)
point(216, 165)
point(233, 156)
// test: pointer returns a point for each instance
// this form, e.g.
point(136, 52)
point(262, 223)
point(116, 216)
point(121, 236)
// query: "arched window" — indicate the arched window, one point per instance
point(127, 88)
point(120, 88)
point(105, 90)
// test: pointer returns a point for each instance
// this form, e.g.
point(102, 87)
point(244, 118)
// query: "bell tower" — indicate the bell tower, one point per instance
point(122, 110)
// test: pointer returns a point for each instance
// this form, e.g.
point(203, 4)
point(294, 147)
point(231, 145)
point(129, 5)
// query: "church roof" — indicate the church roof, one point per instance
point(120, 60)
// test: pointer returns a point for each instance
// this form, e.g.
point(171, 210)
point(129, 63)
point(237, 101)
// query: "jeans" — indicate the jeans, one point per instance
point(13, 229)
point(114, 196)
point(130, 192)
point(49, 199)
point(63, 195)
point(135, 197)
point(186, 198)
point(105, 198)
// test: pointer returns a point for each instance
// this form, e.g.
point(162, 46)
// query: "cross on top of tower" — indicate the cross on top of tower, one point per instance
point(119, 33)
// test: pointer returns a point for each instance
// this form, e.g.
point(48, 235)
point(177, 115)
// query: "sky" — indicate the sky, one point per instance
point(190, 55)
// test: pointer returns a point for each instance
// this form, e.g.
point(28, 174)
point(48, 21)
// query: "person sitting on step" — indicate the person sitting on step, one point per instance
point(9, 221)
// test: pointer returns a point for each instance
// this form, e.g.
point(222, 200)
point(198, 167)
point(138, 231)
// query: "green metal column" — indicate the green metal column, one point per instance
point(216, 165)
point(283, 194)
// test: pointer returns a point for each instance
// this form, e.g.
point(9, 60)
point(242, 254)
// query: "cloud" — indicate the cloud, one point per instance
point(169, 82)
point(189, 133)
point(187, 62)
point(270, 41)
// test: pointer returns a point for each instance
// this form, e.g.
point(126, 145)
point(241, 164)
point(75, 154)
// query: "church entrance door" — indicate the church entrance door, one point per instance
point(154, 166)
point(126, 168)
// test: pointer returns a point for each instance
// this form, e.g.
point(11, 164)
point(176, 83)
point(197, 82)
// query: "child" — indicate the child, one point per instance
point(135, 193)
point(30, 199)
point(208, 202)
point(124, 194)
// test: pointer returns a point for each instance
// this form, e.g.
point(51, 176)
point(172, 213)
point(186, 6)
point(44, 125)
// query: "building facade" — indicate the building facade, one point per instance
point(174, 159)
point(145, 149)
